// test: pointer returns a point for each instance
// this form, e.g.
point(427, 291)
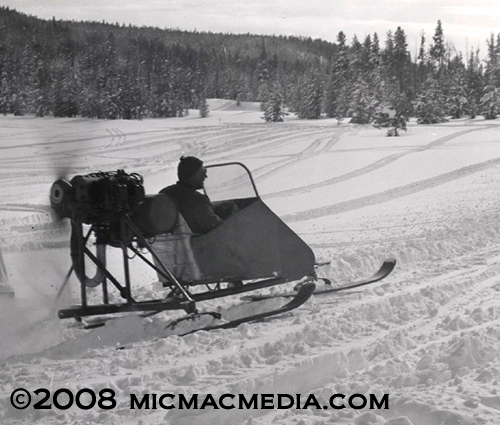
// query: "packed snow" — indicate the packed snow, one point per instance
point(428, 335)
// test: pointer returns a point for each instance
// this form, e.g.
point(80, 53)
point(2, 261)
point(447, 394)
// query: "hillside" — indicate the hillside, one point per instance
point(111, 71)
point(103, 70)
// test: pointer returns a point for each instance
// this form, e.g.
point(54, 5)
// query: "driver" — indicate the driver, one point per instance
point(195, 207)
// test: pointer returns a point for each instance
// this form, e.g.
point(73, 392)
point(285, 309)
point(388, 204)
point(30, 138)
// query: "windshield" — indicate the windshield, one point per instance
point(229, 181)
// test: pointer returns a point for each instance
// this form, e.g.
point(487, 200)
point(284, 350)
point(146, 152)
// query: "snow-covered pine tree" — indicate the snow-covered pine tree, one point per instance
point(473, 84)
point(204, 107)
point(457, 103)
point(489, 105)
point(374, 72)
point(273, 108)
point(456, 100)
point(362, 105)
point(263, 75)
point(311, 97)
point(401, 60)
point(493, 61)
point(366, 56)
point(356, 64)
point(429, 106)
point(343, 101)
point(374, 60)
point(337, 79)
point(438, 49)
point(65, 96)
point(421, 61)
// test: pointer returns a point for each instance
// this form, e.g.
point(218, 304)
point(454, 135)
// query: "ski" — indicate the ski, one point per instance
point(384, 271)
point(304, 293)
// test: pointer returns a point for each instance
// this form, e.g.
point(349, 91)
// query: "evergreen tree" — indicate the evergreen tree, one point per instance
point(263, 76)
point(473, 84)
point(356, 65)
point(362, 105)
point(374, 74)
point(374, 60)
point(65, 96)
point(438, 49)
point(388, 55)
point(204, 110)
point(343, 102)
point(400, 61)
point(429, 106)
point(37, 66)
point(492, 72)
point(112, 80)
point(366, 56)
point(273, 108)
point(497, 59)
point(338, 78)
point(396, 76)
point(310, 97)
point(456, 99)
point(490, 102)
point(421, 52)
point(457, 103)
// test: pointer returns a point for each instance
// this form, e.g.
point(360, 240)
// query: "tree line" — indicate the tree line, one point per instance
point(378, 84)
point(113, 71)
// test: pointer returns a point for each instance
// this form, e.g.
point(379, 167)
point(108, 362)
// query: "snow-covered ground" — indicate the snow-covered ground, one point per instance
point(428, 335)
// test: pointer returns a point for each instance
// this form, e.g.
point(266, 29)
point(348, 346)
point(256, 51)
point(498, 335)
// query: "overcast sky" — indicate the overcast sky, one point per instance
point(465, 22)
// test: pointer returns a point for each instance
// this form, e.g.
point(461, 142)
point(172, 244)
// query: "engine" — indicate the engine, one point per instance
point(100, 198)
point(97, 197)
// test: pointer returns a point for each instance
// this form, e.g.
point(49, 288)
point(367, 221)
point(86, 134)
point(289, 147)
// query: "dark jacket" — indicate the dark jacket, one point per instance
point(195, 207)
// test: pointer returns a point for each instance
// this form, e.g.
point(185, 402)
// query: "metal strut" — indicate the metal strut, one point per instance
point(184, 302)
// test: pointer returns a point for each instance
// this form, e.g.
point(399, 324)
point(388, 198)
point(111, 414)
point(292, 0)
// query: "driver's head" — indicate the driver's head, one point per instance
point(191, 171)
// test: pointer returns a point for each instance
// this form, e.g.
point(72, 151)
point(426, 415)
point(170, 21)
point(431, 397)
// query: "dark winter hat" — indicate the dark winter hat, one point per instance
point(188, 165)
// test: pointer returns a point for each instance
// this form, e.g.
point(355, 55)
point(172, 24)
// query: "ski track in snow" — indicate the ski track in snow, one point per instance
point(372, 167)
point(390, 194)
point(428, 335)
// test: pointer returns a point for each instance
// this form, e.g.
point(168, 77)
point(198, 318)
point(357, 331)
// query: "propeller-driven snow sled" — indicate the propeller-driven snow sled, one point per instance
point(250, 250)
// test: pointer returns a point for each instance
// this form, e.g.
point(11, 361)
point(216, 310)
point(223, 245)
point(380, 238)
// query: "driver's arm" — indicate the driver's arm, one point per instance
point(202, 216)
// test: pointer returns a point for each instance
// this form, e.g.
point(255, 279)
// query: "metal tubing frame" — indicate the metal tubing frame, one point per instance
point(81, 259)
point(187, 296)
point(126, 268)
point(187, 304)
point(114, 281)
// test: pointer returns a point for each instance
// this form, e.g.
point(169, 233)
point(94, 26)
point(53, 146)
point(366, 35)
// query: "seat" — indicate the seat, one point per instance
point(176, 253)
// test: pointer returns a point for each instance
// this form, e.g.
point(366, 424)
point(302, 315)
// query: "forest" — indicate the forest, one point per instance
point(112, 71)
